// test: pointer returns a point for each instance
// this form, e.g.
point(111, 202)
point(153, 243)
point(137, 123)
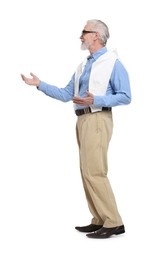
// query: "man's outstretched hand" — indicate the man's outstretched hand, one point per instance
point(34, 81)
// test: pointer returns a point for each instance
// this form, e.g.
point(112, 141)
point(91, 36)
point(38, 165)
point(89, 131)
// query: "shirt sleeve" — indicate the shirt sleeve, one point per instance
point(118, 91)
point(63, 94)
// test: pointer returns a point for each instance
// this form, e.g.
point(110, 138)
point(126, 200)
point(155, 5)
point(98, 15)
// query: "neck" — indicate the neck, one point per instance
point(94, 49)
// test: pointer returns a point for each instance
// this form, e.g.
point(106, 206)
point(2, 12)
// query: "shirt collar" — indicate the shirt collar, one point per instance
point(98, 53)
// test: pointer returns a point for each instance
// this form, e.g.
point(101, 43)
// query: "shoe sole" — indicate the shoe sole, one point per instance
point(107, 235)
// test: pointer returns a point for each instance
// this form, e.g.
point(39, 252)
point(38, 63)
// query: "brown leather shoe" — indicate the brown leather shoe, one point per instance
point(89, 228)
point(107, 232)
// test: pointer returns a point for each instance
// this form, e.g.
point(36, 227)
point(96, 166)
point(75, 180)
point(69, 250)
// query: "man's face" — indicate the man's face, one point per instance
point(86, 37)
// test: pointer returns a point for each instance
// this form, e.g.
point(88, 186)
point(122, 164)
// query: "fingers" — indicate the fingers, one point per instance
point(78, 100)
point(81, 101)
point(24, 79)
point(22, 76)
point(89, 94)
point(33, 75)
point(84, 101)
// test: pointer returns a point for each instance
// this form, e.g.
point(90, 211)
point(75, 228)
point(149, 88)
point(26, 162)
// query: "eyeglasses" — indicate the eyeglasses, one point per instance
point(84, 32)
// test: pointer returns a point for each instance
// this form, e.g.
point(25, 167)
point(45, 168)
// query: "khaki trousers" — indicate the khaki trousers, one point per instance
point(94, 132)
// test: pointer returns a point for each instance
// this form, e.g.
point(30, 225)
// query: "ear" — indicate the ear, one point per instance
point(97, 34)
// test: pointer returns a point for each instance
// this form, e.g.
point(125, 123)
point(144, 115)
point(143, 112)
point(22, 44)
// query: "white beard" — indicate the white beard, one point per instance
point(83, 46)
point(86, 45)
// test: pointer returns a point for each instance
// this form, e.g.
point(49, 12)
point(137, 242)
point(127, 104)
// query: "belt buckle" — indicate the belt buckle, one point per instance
point(87, 110)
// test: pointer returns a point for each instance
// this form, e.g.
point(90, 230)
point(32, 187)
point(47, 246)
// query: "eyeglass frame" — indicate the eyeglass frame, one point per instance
point(85, 31)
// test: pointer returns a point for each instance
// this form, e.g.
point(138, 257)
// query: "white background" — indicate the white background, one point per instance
point(41, 194)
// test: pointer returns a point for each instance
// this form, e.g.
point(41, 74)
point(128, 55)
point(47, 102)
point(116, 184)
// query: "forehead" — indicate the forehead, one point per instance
point(88, 26)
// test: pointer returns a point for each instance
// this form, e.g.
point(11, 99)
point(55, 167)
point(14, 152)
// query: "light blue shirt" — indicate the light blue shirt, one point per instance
point(118, 90)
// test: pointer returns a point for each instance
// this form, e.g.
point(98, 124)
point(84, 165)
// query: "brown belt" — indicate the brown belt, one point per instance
point(87, 110)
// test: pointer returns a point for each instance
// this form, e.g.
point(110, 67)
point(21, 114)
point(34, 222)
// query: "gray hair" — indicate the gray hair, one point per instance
point(102, 28)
